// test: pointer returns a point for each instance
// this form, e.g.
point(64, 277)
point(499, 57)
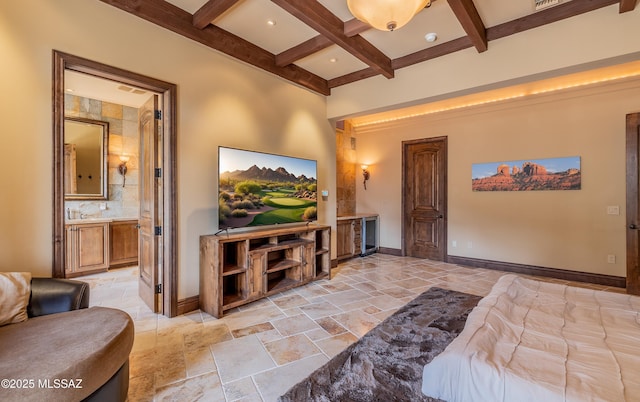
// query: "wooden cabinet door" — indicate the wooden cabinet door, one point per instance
point(308, 261)
point(257, 270)
point(92, 246)
point(344, 238)
point(123, 238)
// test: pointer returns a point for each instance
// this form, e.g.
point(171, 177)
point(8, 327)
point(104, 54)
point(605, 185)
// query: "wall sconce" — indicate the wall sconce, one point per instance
point(122, 168)
point(365, 174)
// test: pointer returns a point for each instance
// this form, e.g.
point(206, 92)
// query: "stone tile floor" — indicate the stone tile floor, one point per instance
point(258, 351)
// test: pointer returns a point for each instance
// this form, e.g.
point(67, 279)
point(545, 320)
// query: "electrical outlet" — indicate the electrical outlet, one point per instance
point(611, 259)
point(613, 210)
point(103, 206)
point(469, 244)
point(454, 243)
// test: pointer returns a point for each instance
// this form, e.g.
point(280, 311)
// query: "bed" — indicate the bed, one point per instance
point(538, 341)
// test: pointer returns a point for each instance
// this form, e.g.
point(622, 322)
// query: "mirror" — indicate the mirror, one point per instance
point(86, 143)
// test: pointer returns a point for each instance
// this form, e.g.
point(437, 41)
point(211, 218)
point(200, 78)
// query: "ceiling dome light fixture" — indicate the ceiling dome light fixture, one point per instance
point(386, 15)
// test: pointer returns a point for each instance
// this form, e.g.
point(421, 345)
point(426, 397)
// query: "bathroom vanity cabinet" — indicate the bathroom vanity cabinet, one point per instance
point(95, 245)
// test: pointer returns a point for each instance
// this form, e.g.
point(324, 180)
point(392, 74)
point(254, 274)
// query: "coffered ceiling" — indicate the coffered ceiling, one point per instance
point(319, 45)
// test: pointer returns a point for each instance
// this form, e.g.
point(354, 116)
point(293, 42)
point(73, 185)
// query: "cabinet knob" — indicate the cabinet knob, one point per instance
point(138, 226)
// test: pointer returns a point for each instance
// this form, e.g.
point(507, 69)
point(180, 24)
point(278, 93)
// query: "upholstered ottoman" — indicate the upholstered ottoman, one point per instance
point(66, 356)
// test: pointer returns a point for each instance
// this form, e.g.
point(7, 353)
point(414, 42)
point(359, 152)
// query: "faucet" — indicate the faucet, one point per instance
point(68, 214)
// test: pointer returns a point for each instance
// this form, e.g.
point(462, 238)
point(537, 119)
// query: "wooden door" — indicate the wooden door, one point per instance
point(633, 204)
point(424, 189)
point(148, 241)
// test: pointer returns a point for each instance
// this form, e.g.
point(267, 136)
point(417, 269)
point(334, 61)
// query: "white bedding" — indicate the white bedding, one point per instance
point(539, 341)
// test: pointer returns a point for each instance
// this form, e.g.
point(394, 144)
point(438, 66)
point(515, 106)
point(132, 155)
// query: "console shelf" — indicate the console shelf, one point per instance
point(240, 268)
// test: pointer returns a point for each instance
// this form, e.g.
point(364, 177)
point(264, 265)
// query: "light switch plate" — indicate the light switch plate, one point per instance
point(613, 210)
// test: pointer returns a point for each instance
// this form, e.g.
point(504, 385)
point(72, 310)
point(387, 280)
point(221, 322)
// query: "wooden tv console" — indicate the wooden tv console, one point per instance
point(239, 268)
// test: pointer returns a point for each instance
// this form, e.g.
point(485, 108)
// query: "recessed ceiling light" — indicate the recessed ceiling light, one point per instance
point(271, 22)
point(431, 37)
point(333, 60)
point(69, 90)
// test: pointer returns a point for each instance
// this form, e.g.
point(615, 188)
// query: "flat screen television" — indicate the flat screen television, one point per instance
point(257, 188)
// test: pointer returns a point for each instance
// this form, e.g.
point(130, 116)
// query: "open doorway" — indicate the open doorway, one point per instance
point(158, 256)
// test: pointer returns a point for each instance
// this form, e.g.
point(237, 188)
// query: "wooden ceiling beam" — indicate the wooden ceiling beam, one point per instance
point(432, 52)
point(333, 30)
point(556, 13)
point(352, 77)
point(302, 50)
point(211, 10)
point(355, 27)
point(406, 61)
point(179, 21)
point(330, 26)
point(351, 28)
point(627, 5)
point(466, 12)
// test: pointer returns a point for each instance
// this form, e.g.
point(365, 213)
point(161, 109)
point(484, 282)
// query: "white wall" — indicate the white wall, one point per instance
point(599, 38)
point(220, 102)
point(557, 229)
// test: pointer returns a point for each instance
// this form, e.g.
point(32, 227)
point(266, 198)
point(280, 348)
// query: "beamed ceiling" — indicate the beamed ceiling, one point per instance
point(318, 44)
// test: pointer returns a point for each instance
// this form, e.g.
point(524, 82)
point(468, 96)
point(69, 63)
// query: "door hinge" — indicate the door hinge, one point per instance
point(157, 230)
point(158, 173)
point(158, 288)
point(157, 114)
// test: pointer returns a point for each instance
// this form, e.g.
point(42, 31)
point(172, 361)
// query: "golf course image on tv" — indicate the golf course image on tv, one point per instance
point(257, 188)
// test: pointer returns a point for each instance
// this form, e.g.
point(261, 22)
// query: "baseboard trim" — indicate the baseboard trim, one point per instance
point(391, 251)
point(564, 274)
point(188, 305)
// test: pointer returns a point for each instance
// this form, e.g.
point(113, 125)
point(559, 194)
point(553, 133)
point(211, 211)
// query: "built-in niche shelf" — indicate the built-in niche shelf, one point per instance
point(239, 268)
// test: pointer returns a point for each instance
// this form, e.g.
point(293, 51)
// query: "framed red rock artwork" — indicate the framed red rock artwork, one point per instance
point(527, 175)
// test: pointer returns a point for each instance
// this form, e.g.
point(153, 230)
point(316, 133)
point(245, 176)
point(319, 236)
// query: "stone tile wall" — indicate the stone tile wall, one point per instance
point(345, 171)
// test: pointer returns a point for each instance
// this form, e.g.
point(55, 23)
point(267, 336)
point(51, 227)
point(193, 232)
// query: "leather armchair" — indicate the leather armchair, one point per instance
point(52, 295)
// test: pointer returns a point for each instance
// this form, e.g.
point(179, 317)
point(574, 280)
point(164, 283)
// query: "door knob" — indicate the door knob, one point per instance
point(633, 226)
point(440, 216)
